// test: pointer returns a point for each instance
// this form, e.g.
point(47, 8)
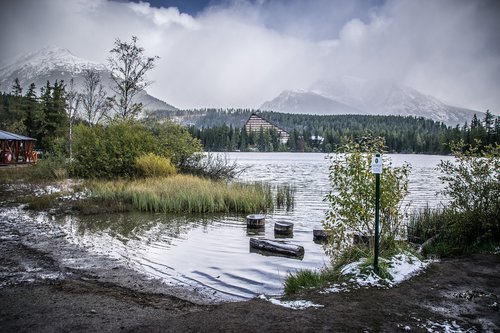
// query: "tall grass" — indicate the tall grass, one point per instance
point(285, 196)
point(186, 194)
point(48, 169)
point(451, 232)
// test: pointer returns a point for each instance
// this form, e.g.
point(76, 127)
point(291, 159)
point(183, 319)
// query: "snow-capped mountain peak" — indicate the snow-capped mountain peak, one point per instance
point(46, 60)
point(54, 63)
point(357, 95)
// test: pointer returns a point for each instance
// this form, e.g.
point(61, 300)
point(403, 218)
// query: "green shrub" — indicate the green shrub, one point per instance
point(151, 165)
point(473, 185)
point(111, 151)
point(352, 199)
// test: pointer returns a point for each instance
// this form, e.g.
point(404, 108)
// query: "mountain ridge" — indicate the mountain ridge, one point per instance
point(360, 96)
point(54, 63)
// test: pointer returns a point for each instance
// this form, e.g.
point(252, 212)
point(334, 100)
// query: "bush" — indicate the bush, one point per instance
point(471, 221)
point(352, 199)
point(151, 165)
point(174, 142)
point(214, 166)
point(474, 189)
point(111, 151)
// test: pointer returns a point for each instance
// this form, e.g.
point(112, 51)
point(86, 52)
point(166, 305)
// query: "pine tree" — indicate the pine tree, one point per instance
point(31, 109)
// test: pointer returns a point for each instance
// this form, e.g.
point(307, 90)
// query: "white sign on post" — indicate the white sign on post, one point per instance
point(377, 164)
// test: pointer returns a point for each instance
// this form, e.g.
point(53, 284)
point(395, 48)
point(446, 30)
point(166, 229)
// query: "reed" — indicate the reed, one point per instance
point(285, 196)
point(186, 194)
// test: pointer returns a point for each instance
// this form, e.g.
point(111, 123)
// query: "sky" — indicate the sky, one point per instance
point(241, 53)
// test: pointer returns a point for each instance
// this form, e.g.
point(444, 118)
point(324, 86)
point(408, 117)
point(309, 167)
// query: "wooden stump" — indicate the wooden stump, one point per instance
point(256, 221)
point(321, 235)
point(283, 228)
point(361, 239)
point(278, 247)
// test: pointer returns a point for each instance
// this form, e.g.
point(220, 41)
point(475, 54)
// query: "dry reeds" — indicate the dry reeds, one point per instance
point(186, 194)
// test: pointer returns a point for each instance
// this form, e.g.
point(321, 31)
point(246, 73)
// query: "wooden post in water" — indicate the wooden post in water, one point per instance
point(256, 221)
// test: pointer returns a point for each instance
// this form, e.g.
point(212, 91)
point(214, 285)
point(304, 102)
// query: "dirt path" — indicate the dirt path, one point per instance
point(463, 291)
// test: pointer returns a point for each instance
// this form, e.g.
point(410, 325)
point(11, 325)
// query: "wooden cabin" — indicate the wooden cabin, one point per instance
point(255, 123)
point(16, 149)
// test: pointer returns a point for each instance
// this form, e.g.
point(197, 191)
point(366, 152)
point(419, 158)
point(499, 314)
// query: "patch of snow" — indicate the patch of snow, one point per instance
point(294, 305)
point(446, 327)
point(401, 267)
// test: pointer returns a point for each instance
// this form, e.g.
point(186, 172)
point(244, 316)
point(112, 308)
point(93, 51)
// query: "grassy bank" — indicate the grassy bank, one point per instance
point(185, 194)
point(447, 232)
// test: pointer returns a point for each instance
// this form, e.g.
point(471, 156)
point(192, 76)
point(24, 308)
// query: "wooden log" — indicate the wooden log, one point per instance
point(256, 221)
point(279, 247)
point(283, 228)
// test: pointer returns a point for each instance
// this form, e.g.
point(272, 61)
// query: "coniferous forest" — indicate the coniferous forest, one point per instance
point(222, 130)
point(44, 117)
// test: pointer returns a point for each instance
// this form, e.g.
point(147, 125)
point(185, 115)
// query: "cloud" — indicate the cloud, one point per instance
point(241, 53)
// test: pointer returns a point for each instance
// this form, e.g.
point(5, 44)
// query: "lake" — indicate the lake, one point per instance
point(211, 253)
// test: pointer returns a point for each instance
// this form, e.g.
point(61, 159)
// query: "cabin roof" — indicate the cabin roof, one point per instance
point(4, 135)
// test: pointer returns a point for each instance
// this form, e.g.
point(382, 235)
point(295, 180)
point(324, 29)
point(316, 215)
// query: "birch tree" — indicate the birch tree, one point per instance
point(94, 100)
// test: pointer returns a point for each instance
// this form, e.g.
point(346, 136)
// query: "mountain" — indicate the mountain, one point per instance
point(51, 64)
point(298, 101)
point(360, 96)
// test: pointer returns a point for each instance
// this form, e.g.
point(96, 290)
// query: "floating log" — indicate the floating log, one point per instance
point(321, 235)
point(256, 221)
point(283, 228)
point(279, 247)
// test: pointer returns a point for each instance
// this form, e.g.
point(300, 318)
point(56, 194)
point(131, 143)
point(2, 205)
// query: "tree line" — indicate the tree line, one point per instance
point(319, 133)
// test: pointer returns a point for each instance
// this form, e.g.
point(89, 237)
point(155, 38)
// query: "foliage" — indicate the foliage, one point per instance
point(107, 152)
point(174, 142)
point(471, 221)
point(352, 199)
point(186, 194)
point(214, 166)
point(128, 71)
point(222, 130)
point(151, 165)
point(47, 169)
point(111, 151)
point(473, 179)
point(306, 279)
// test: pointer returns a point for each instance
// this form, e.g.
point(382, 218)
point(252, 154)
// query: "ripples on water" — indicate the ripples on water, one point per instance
point(213, 252)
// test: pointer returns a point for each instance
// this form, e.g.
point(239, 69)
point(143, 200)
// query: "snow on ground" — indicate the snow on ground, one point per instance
point(446, 327)
point(294, 305)
point(401, 267)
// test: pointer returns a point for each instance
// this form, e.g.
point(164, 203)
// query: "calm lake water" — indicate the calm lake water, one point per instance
point(212, 253)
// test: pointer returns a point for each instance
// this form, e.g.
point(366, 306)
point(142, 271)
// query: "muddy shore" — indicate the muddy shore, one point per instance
point(48, 285)
point(460, 294)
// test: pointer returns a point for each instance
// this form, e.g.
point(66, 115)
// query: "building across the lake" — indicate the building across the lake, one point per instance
point(255, 123)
